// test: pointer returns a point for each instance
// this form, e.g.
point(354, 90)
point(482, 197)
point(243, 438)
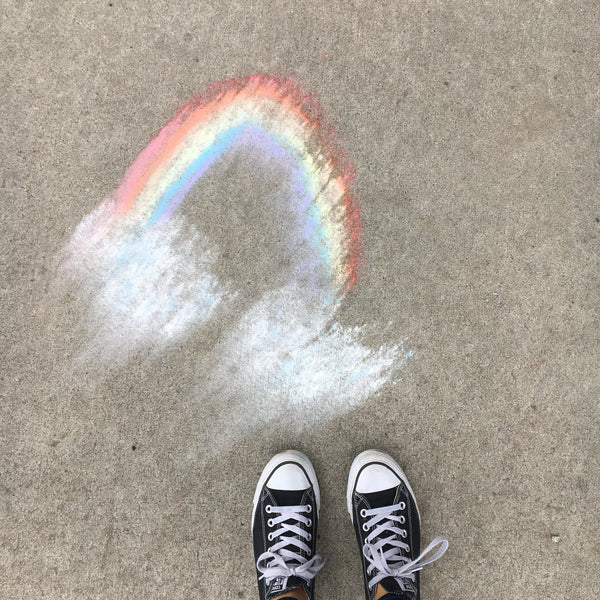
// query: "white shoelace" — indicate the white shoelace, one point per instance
point(282, 561)
point(391, 562)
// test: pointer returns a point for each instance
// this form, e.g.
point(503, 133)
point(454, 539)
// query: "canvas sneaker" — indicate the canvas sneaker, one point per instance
point(388, 528)
point(284, 528)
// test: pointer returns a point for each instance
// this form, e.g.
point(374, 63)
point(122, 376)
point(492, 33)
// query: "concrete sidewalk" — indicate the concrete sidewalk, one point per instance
point(474, 130)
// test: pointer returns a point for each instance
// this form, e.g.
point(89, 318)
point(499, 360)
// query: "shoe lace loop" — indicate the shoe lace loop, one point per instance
point(285, 558)
point(391, 562)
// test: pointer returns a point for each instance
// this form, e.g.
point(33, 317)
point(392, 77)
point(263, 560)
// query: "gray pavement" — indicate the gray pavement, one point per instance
point(474, 129)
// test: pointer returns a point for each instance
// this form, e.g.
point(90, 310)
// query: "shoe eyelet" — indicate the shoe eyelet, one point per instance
point(402, 520)
point(309, 538)
point(363, 512)
point(268, 508)
point(402, 505)
point(309, 524)
point(308, 509)
point(404, 534)
point(270, 537)
point(365, 527)
point(270, 523)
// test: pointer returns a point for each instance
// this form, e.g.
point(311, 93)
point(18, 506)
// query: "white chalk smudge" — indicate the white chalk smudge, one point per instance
point(288, 353)
point(145, 289)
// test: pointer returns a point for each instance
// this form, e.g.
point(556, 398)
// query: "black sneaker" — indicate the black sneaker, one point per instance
point(284, 527)
point(388, 528)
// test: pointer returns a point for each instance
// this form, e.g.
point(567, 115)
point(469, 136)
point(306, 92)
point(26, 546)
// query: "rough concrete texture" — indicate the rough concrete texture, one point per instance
point(474, 130)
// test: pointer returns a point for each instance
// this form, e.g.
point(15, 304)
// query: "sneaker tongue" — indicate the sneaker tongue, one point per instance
point(288, 497)
point(381, 498)
point(280, 585)
point(397, 596)
point(395, 590)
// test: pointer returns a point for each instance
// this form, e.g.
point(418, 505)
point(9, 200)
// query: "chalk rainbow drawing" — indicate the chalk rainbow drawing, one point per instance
point(148, 276)
point(275, 114)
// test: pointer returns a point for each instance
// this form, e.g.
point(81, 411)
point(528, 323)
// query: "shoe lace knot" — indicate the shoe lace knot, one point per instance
point(386, 552)
point(290, 555)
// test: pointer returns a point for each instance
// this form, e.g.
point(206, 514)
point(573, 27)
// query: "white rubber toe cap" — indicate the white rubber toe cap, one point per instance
point(376, 477)
point(288, 476)
point(289, 470)
point(373, 471)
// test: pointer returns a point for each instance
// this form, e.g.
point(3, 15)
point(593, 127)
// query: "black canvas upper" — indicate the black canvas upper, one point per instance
point(260, 531)
point(397, 590)
point(397, 596)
